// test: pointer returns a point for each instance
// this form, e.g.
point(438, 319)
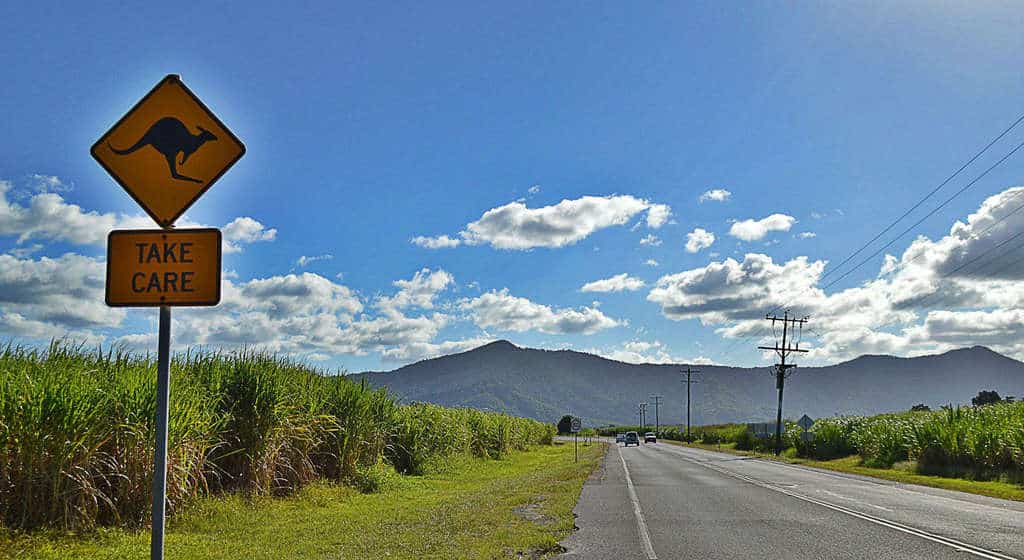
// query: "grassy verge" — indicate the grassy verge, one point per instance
point(901, 472)
point(516, 507)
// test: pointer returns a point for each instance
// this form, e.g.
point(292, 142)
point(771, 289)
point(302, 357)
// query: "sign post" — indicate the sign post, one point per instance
point(575, 427)
point(166, 151)
point(805, 422)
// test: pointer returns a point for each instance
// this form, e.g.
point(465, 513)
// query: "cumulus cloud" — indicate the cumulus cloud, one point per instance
point(439, 242)
point(534, 189)
point(752, 230)
point(425, 350)
point(245, 230)
point(959, 290)
point(45, 215)
point(651, 262)
point(651, 239)
point(699, 239)
point(616, 283)
point(658, 215)
point(807, 235)
point(515, 226)
point(304, 260)
point(717, 195)
point(638, 352)
point(503, 311)
point(307, 314)
point(65, 293)
point(419, 291)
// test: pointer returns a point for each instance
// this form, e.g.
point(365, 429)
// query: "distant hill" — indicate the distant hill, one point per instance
point(545, 384)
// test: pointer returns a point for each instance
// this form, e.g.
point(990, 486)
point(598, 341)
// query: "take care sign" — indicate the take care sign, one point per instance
point(163, 267)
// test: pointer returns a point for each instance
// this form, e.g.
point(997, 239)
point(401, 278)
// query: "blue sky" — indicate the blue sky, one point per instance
point(369, 128)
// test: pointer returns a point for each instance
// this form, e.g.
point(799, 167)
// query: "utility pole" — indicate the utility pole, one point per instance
point(657, 420)
point(788, 324)
point(688, 371)
point(643, 416)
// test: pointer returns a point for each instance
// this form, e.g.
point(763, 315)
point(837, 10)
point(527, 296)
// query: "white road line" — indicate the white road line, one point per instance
point(946, 541)
point(641, 525)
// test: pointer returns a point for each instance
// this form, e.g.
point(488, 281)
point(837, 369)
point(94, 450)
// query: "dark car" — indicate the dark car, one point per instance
point(632, 438)
point(649, 437)
point(619, 438)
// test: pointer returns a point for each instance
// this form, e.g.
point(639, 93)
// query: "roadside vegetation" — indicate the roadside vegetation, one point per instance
point(983, 443)
point(519, 506)
point(76, 434)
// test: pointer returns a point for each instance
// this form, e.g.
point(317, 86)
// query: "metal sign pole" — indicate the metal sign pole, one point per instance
point(163, 387)
point(575, 447)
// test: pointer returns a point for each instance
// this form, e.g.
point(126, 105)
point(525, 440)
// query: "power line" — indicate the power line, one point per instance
point(946, 181)
point(917, 205)
point(925, 197)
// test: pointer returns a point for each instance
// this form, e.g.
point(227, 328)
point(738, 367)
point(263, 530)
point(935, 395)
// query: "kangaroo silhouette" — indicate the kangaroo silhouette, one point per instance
point(169, 136)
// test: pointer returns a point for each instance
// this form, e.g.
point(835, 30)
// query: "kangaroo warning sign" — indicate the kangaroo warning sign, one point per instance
point(163, 267)
point(168, 150)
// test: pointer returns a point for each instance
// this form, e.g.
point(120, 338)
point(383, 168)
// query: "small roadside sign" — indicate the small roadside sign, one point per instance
point(168, 150)
point(575, 426)
point(805, 422)
point(163, 267)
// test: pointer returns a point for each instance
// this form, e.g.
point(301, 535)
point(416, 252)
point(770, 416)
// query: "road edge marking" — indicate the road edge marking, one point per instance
point(641, 525)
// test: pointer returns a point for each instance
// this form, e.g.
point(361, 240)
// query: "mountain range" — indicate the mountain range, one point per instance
point(545, 384)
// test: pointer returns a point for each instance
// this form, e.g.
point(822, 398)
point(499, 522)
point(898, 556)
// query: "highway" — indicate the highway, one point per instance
point(671, 502)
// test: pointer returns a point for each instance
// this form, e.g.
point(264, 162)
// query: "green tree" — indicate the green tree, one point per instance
point(920, 408)
point(986, 397)
point(565, 424)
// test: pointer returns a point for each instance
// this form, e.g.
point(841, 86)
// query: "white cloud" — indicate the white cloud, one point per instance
point(962, 289)
point(64, 292)
point(658, 215)
point(425, 350)
point(752, 230)
point(439, 242)
point(419, 291)
point(304, 260)
point(515, 226)
point(47, 216)
point(651, 239)
point(699, 239)
point(638, 352)
point(616, 283)
point(503, 311)
point(245, 230)
point(534, 189)
point(807, 235)
point(651, 262)
point(717, 195)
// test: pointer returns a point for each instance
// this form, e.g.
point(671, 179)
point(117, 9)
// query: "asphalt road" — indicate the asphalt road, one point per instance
point(670, 502)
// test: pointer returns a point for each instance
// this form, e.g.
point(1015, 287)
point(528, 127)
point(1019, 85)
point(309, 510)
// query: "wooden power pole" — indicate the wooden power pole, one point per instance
point(688, 371)
point(782, 368)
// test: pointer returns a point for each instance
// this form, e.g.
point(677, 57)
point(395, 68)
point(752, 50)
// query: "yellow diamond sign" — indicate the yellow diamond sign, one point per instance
point(168, 150)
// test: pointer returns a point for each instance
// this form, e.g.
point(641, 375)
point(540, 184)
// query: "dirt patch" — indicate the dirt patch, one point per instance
point(533, 512)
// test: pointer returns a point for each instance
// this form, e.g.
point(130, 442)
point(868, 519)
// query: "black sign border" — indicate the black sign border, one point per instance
point(177, 79)
point(205, 303)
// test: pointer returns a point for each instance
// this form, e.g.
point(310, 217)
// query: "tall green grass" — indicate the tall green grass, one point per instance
point(982, 442)
point(76, 432)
